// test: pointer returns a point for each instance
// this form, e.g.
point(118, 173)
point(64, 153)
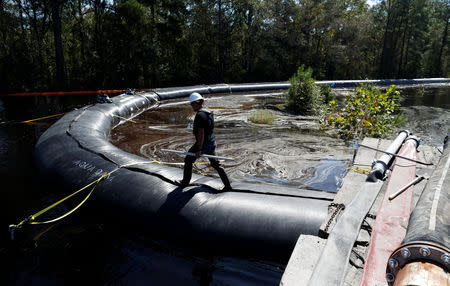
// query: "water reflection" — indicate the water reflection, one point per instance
point(81, 250)
point(428, 112)
point(430, 96)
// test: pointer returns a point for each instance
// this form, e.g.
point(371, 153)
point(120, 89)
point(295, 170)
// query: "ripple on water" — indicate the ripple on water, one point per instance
point(430, 124)
point(288, 152)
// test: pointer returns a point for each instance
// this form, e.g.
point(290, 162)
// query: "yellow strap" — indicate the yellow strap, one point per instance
point(179, 164)
point(43, 232)
point(205, 170)
point(60, 201)
point(27, 121)
point(124, 118)
point(31, 219)
point(31, 120)
point(168, 163)
point(68, 213)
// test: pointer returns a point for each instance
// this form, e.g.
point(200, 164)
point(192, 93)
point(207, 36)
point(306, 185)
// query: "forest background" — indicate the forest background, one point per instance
point(50, 45)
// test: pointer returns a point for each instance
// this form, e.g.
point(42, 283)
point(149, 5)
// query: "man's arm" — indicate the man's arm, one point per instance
point(200, 140)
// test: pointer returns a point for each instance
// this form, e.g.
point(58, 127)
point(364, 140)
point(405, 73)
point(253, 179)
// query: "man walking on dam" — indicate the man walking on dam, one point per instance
point(205, 142)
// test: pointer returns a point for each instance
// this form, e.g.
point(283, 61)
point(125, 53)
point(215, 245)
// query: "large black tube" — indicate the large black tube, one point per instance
point(255, 218)
point(427, 236)
point(168, 93)
point(75, 151)
point(384, 82)
point(430, 218)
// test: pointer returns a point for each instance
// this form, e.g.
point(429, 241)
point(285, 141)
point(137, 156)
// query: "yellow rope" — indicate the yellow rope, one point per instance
point(27, 121)
point(37, 237)
point(126, 119)
point(31, 219)
point(32, 120)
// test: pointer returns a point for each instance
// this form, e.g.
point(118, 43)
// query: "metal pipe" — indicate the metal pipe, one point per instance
point(395, 155)
point(414, 182)
point(381, 165)
point(202, 155)
point(412, 274)
point(418, 261)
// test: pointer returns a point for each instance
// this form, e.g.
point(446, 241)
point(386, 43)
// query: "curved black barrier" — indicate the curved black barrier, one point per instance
point(255, 218)
point(384, 82)
point(252, 219)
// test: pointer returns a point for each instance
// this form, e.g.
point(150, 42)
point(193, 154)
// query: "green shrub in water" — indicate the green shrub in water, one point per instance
point(368, 111)
point(263, 116)
point(327, 94)
point(304, 95)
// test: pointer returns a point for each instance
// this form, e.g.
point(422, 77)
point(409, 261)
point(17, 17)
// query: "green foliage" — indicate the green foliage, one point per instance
point(262, 116)
point(400, 119)
point(326, 92)
point(145, 44)
point(303, 96)
point(368, 111)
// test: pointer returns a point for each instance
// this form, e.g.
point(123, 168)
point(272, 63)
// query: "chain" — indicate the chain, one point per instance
point(371, 216)
point(338, 208)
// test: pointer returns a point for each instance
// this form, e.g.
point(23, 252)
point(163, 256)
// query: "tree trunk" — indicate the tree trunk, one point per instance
point(249, 46)
point(81, 34)
point(385, 52)
point(220, 41)
point(59, 53)
point(3, 25)
point(402, 49)
point(99, 10)
point(407, 49)
point(154, 55)
point(444, 41)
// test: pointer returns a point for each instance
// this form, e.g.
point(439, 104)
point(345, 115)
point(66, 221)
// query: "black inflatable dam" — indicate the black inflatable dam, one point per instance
point(253, 218)
point(427, 236)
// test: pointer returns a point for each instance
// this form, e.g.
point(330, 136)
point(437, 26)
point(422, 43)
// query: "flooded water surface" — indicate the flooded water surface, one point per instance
point(290, 151)
point(85, 249)
point(428, 112)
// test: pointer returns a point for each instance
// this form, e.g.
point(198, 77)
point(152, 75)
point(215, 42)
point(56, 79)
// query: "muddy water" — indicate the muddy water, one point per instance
point(428, 112)
point(290, 151)
point(427, 109)
point(83, 251)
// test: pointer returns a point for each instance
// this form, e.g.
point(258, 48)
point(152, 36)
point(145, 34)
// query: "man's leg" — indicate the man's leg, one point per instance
point(223, 176)
point(188, 162)
point(187, 172)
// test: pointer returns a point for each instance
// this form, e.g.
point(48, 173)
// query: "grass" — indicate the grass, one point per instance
point(262, 116)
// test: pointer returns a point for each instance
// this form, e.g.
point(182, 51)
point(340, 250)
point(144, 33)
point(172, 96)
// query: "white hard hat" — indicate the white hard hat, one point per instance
point(194, 97)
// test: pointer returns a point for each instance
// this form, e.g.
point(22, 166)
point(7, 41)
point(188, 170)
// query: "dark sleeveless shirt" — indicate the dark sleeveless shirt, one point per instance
point(204, 119)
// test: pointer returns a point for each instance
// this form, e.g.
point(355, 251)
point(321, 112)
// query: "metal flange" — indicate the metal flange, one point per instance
point(417, 251)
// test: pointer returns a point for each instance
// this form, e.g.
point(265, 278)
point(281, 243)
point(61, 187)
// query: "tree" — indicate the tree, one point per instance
point(85, 44)
point(437, 52)
point(59, 53)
